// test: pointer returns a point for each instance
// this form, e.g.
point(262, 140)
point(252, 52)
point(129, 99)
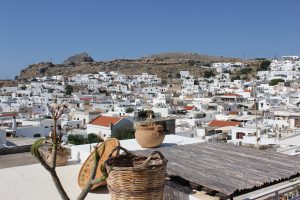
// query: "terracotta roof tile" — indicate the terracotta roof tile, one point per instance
point(105, 121)
point(188, 107)
point(233, 95)
point(8, 115)
point(86, 99)
point(220, 123)
point(233, 113)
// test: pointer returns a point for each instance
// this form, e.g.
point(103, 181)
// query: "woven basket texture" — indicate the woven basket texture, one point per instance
point(133, 177)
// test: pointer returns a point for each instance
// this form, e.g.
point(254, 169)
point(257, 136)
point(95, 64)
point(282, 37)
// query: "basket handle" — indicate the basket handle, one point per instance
point(154, 154)
point(118, 148)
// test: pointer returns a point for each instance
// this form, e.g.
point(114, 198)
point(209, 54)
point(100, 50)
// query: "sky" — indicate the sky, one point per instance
point(33, 31)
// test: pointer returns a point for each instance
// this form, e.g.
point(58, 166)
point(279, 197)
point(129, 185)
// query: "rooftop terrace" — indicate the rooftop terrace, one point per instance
point(223, 168)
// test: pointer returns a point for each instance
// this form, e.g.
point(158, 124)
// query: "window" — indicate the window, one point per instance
point(37, 135)
point(240, 135)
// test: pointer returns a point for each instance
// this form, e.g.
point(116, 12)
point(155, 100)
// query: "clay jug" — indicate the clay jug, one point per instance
point(149, 136)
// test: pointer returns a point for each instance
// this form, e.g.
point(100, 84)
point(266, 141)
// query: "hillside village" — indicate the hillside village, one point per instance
point(259, 109)
point(211, 107)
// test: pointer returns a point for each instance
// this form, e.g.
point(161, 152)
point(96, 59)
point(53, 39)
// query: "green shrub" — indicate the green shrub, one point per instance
point(76, 139)
point(246, 70)
point(209, 73)
point(129, 110)
point(68, 89)
point(275, 81)
point(93, 138)
point(124, 134)
point(265, 65)
point(237, 77)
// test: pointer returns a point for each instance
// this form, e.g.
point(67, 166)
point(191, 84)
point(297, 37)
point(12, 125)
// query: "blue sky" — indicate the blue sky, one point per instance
point(32, 31)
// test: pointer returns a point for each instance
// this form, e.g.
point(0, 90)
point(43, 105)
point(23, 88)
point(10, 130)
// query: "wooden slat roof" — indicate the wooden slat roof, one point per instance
point(227, 168)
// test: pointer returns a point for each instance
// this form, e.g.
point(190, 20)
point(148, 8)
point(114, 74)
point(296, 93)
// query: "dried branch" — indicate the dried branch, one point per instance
point(92, 179)
point(56, 112)
point(35, 151)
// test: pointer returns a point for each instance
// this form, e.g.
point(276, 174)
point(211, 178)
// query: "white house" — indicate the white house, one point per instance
point(154, 90)
point(8, 89)
point(248, 135)
point(85, 117)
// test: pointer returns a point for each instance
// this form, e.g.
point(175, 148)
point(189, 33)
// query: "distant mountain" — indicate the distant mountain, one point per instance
point(191, 56)
point(166, 65)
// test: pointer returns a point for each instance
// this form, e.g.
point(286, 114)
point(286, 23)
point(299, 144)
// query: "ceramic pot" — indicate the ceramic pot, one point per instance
point(149, 136)
point(61, 157)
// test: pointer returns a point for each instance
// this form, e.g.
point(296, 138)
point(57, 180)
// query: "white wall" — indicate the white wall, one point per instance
point(72, 124)
point(163, 111)
point(279, 124)
point(200, 132)
point(98, 129)
point(29, 131)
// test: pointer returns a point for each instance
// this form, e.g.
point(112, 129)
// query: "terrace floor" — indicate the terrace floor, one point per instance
point(18, 159)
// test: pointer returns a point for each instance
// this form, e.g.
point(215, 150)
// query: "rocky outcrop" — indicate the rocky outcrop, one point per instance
point(78, 59)
point(164, 65)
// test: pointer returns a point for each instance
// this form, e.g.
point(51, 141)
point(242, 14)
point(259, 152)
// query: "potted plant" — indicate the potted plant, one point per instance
point(51, 149)
point(149, 134)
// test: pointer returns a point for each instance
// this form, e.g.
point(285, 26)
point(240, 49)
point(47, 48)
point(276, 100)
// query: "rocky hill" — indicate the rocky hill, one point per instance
point(165, 65)
point(78, 59)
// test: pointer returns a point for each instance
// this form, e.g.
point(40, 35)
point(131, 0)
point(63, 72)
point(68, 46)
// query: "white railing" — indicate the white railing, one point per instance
point(276, 192)
point(296, 133)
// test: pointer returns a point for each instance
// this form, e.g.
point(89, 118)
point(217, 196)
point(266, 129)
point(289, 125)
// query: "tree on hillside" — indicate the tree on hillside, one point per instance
point(265, 65)
point(23, 87)
point(42, 70)
point(209, 73)
point(246, 70)
point(129, 110)
point(276, 81)
point(237, 77)
point(68, 89)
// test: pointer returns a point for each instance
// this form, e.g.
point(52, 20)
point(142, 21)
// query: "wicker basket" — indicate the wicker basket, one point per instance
point(136, 177)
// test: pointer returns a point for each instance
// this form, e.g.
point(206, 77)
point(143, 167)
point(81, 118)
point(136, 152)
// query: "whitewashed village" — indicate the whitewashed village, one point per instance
point(251, 124)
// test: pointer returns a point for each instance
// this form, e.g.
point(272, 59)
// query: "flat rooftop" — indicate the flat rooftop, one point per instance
point(35, 183)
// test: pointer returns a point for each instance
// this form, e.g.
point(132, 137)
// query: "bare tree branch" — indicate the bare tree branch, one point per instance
point(92, 181)
point(56, 113)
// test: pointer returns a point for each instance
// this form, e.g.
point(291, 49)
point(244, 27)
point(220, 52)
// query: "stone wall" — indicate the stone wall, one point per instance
point(16, 149)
